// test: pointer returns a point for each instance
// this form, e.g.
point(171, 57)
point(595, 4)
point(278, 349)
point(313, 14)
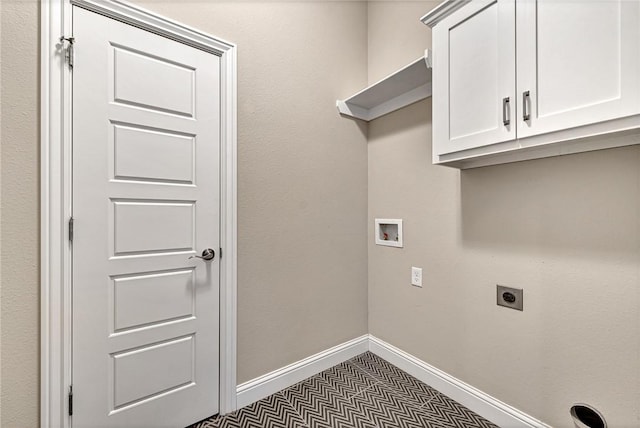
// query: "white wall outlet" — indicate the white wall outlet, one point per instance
point(416, 276)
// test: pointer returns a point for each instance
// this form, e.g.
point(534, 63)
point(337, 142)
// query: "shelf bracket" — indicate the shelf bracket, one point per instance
point(428, 58)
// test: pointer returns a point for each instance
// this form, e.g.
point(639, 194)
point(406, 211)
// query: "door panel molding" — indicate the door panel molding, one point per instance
point(55, 254)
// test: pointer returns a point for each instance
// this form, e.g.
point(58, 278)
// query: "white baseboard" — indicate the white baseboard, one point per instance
point(481, 403)
point(270, 383)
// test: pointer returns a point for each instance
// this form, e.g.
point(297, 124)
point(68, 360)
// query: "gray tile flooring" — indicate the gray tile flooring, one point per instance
point(364, 392)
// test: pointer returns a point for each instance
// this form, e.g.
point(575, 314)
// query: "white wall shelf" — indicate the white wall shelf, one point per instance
point(406, 86)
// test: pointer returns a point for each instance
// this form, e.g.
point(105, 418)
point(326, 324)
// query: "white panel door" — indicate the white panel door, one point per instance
point(146, 131)
point(474, 77)
point(578, 61)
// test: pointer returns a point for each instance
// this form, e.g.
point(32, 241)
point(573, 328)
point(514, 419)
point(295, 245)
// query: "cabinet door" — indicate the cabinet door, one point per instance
point(474, 77)
point(578, 63)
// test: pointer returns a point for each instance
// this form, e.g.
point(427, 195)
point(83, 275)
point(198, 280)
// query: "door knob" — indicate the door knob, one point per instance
point(207, 254)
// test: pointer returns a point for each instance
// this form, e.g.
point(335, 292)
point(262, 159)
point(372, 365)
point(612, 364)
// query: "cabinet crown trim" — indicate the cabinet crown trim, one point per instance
point(441, 11)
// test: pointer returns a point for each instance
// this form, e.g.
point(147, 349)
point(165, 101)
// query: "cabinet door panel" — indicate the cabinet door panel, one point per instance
point(579, 61)
point(474, 69)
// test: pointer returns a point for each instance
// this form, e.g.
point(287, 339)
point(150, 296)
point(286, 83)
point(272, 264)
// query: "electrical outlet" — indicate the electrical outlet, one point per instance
point(509, 297)
point(416, 276)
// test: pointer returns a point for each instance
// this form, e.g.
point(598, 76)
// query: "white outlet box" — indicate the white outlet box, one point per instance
point(416, 276)
point(388, 232)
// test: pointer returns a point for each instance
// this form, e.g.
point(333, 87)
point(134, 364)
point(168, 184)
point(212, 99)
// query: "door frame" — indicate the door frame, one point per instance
point(55, 205)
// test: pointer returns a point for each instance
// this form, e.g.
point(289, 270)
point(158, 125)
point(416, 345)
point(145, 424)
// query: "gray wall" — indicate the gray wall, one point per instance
point(565, 229)
point(20, 217)
point(302, 262)
point(302, 201)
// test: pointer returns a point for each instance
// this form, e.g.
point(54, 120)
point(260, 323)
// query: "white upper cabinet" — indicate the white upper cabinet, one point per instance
point(474, 76)
point(523, 79)
point(579, 61)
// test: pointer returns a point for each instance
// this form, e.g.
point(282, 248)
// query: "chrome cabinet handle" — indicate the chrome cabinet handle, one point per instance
point(525, 104)
point(207, 255)
point(505, 111)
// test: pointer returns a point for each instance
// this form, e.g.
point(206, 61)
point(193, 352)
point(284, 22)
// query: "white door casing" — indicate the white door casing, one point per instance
point(56, 210)
point(146, 143)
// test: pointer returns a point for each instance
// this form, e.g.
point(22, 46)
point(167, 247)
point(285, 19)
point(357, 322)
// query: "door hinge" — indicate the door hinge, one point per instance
point(69, 51)
point(71, 221)
point(70, 400)
point(220, 253)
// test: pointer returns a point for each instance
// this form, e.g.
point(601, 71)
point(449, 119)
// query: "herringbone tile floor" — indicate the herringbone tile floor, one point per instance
point(364, 392)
